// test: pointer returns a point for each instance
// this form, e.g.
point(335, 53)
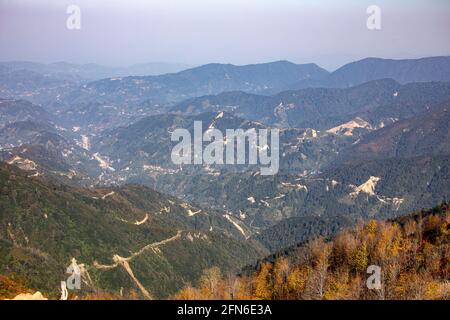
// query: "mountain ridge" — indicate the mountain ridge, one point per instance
point(44, 224)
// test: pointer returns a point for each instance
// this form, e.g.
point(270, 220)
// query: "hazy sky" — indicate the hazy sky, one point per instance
point(124, 32)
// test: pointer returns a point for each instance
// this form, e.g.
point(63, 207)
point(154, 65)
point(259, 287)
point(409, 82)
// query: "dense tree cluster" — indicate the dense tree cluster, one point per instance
point(413, 253)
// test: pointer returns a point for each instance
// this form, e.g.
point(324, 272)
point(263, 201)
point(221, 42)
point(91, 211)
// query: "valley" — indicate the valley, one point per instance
point(86, 169)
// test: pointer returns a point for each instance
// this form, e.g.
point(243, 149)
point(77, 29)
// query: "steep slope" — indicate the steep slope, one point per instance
point(149, 140)
point(410, 253)
point(43, 225)
point(93, 117)
point(51, 149)
point(311, 182)
point(382, 188)
point(378, 102)
point(29, 134)
point(427, 133)
point(343, 196)
point(35, 87)
point(142, 151)
point(21, 110)
point(297, 230)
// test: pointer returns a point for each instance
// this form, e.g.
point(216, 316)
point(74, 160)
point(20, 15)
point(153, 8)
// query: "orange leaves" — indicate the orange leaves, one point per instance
point(414, 256)
point(360, 258)
point(262, 282)
point(9, 288)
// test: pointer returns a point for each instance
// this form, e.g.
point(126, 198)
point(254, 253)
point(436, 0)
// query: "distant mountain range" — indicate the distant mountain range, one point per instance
point(268, 77)
point(90, 71)
point(68, 84)
point(369, 69)
point(47, 83)
point(208, 79)
point(379, 102)
point(368, 141)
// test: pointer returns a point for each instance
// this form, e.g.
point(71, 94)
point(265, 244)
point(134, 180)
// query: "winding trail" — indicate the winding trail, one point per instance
point(138, 223)
point(108, 195)
point(122, 261)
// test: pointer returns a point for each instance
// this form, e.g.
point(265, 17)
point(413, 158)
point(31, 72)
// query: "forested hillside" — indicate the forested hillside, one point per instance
point(126, 238)
point(413, 253)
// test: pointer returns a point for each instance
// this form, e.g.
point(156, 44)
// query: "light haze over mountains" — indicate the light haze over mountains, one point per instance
point(118, 33)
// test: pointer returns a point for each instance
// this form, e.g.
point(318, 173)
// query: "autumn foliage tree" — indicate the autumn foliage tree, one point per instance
point(413, 253)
